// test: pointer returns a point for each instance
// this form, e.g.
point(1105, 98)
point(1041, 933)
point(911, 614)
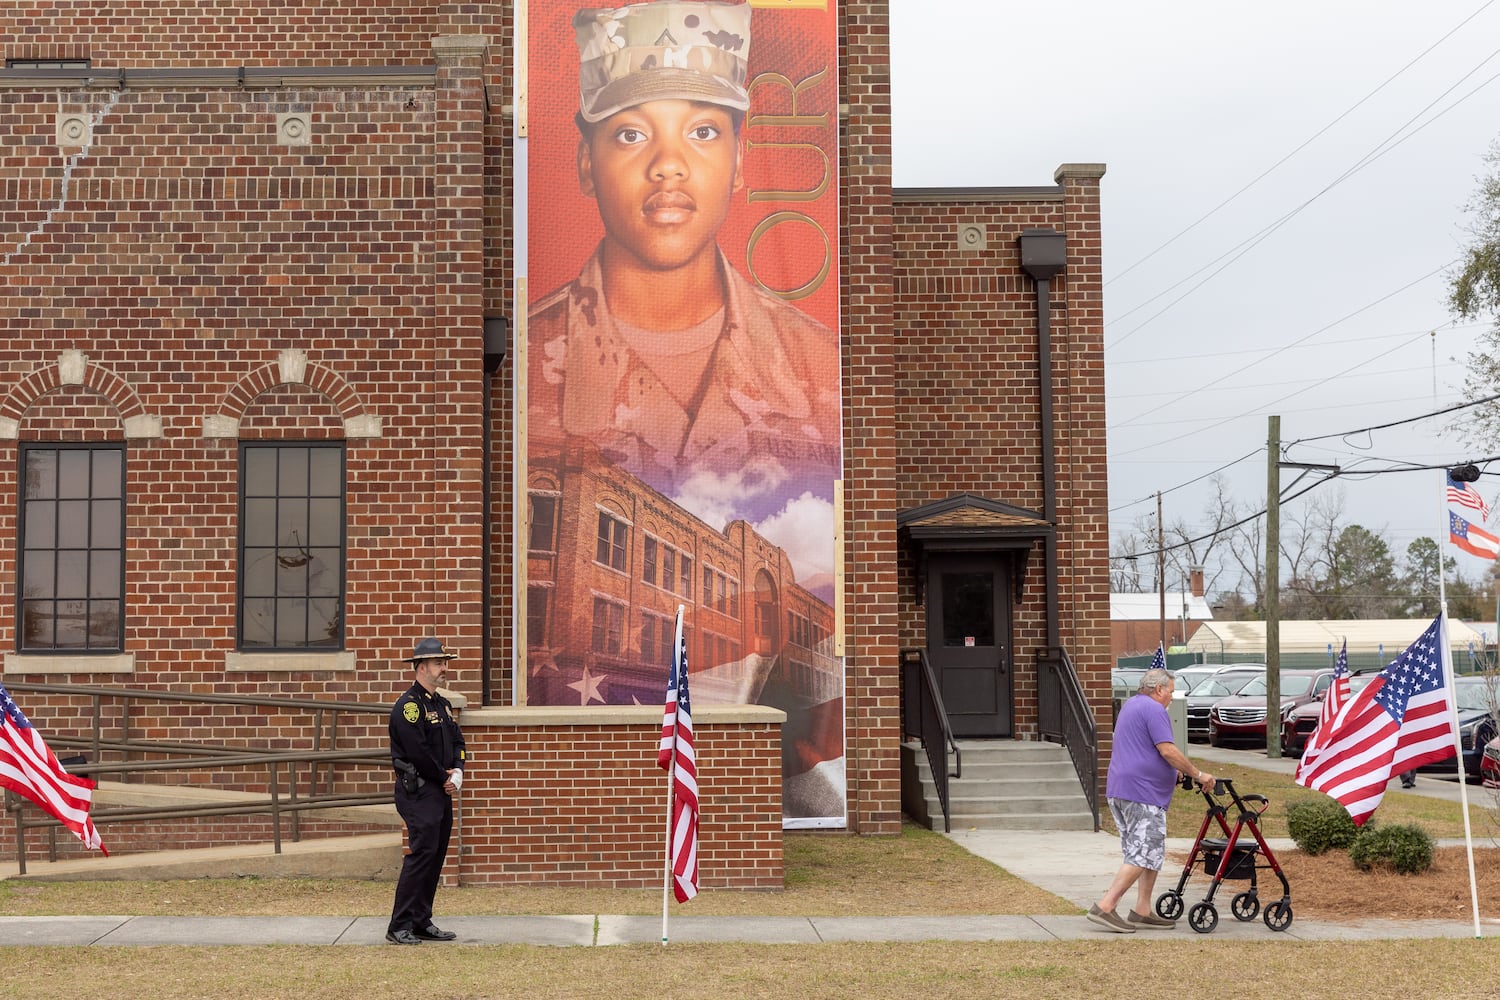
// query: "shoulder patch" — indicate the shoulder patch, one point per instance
point(410, 712)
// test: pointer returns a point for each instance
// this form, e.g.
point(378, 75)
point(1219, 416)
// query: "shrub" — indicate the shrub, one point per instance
point(1319, 825)
point(1405, 848)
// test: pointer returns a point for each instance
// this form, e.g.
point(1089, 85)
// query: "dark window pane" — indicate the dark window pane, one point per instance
point(104, 524)
point(104, 574)
point(325, 522)
point(968, 609)
point(73, 469)
point(259, 616)
point(72, 522)
point(327, 473)
point(292, 469)
point(291, 574)
point(601, 551)
point(323, 621)
point(72, 625)
point(291, 621)
point(260, 522)
point(41, 474)
point(686, 587)
point(668, 567)
point(108, 478)
point(536, 616)
point(41, 524)
point(260, 472)
point(104, 624)
point(323, 573)
point(37, 580)
point(36, 624)
point(72, 574)
point(291, 522)
point(543, 523)
point(260, 572)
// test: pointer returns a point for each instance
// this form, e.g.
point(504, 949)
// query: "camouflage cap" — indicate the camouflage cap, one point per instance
point(694, 50)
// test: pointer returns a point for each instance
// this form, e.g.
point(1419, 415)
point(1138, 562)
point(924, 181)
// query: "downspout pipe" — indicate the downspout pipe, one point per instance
point(496, 344)
point(1043, 256)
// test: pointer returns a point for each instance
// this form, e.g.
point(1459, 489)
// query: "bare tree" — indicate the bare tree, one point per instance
point(1124, 564)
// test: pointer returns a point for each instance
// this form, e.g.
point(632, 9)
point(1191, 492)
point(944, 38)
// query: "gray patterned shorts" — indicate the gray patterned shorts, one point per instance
point(1143, 833)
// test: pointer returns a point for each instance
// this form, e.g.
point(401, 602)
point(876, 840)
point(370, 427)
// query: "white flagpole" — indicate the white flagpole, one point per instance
point(1458, 739)
point(666, 882)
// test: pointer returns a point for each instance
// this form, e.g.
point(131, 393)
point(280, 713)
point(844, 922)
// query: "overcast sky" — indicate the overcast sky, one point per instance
point(1335, 319)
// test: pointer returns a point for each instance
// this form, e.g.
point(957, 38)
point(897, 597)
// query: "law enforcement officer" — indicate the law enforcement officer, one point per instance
point(427, 750)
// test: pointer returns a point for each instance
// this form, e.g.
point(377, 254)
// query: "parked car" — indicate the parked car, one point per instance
point(1222, 684)
point(1125, 681)
point(1301, 721)
point(1189, 677)
point(1242, 717)
point(1477, 725)
point(1489, 764)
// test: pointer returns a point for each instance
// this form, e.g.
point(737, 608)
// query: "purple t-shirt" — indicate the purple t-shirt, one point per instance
point(1137, 771)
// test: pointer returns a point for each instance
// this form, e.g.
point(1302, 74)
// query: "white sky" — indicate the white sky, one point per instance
point(1187, 103)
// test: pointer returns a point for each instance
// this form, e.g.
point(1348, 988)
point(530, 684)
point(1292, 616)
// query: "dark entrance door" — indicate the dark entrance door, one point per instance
point(968, 640)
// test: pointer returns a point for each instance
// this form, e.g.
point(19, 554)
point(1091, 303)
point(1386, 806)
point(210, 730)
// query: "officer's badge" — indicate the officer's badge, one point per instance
point(410, 712)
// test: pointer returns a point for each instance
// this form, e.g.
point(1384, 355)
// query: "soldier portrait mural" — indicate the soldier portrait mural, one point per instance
point(682, 413)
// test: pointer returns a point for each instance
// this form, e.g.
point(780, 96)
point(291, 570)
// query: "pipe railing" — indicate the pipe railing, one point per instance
point(921, 698)
point(1064, 715)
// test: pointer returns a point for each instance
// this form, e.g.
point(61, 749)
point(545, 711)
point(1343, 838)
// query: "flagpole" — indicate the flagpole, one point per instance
point(666, 881)
point(1458, 739)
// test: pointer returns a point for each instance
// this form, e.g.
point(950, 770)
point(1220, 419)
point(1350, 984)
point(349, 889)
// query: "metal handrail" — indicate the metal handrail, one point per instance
point(919, 684)
point(203, 756)
point(1064, 715)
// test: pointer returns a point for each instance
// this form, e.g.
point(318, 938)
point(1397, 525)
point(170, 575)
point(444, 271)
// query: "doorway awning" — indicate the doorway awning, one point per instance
point(968, 523)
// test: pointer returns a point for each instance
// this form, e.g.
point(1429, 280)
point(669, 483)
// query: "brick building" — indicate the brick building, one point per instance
point(253, 267)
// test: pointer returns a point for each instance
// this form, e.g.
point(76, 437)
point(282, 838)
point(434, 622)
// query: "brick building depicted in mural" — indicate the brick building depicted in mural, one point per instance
point(261, 414)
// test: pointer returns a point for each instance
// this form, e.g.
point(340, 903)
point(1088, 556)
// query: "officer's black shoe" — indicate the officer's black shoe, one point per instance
point(431, 933)
point(401, 937)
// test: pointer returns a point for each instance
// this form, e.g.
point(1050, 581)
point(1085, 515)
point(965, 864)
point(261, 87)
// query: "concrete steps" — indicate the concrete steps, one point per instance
point(1006, 785)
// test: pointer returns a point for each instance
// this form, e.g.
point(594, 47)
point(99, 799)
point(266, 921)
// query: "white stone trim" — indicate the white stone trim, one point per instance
point(117, 663)
point(288, 663)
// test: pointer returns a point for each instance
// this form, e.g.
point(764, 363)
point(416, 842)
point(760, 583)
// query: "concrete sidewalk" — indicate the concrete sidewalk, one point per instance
point(1073, 865)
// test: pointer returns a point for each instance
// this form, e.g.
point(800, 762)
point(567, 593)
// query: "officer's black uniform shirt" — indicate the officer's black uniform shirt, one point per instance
point(424, 732)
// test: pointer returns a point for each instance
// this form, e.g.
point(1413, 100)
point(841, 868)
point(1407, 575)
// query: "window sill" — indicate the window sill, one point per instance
point(289, 663)
point(108, 663)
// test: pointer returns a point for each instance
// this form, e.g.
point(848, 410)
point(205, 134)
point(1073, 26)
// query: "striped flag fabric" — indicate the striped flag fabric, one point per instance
point(1398, 722)
point(1475, 541)
point(1333, 700)
point(29, 768)
point(1158, 659)
point(676, 757)
point(1464, 496)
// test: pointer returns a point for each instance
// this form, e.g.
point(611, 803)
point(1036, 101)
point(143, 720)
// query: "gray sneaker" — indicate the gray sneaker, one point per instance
point(1150, 920)
point(1110, 921)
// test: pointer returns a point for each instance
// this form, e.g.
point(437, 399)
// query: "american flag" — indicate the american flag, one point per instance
point(1472, 540)
point(676, 757)
point(29, 768)
point(1398, 722)
point(1158, 659)
point(1461, 494)
point(1333, 700)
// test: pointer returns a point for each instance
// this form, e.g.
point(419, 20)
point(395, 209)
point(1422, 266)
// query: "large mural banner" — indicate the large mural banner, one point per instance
point(682, 416)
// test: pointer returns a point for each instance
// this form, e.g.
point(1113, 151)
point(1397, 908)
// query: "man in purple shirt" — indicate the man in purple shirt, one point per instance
point(1143, 770)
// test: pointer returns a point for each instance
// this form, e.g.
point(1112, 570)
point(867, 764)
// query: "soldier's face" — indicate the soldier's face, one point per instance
point(664, 174)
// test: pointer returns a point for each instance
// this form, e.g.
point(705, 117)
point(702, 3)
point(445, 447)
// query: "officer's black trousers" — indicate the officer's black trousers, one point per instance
point(428, 813)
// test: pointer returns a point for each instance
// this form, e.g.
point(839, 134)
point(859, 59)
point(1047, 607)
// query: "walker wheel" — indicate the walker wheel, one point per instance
point(1279, 915)
point(1245, 906)
point(1203, 918)
point(1169, 905)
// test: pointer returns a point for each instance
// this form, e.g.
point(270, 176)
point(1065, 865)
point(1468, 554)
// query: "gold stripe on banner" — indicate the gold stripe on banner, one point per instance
point(521, 509)
point(838, 567)
point(791, 4)
point(520, 56)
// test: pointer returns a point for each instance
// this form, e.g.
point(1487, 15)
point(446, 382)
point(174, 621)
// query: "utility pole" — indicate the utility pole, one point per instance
point(1273, 588)
point(1161, 572)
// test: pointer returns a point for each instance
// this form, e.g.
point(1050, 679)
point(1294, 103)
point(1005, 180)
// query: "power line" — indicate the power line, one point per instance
point(1263, 174)
point(1190, 482)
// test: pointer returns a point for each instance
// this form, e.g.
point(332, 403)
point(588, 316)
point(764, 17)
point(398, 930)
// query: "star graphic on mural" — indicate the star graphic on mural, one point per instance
point(543, 659)
point(588, 687)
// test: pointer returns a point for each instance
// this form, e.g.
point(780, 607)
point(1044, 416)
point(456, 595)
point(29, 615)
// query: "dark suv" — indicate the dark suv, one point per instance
point(1242, 718)
point(1208, 691)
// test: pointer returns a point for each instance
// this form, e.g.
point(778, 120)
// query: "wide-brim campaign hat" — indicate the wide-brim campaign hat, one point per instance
point(430, 649)
point(693, 50)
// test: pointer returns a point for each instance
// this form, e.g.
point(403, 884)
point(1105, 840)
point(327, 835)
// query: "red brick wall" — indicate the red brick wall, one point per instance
point(968, 416)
